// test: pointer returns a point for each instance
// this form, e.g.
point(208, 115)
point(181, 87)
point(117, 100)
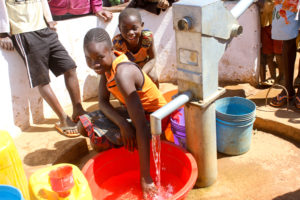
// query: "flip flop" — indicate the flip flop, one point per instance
point(280, 100)
point(268, 82)
point(63, 130)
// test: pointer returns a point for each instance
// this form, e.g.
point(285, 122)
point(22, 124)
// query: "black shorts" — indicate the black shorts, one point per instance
point(41, 50)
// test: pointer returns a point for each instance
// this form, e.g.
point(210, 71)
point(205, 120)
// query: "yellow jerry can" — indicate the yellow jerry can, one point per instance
point(40, 187)
point(11, 168)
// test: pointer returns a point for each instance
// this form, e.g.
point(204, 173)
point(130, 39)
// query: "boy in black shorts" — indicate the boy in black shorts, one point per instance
point(27, 26)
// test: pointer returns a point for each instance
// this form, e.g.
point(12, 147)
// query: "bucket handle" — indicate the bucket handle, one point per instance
point(284, 88)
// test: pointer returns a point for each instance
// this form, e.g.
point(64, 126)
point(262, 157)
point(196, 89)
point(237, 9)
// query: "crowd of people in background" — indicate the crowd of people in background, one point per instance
point(279, 32)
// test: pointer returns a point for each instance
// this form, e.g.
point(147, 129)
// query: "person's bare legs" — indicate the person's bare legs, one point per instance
point(288, 60)
point(262, 70)
point(280, 78)
point(272, 66)
point(49, 96)
point(297, 80)
point(72, 85)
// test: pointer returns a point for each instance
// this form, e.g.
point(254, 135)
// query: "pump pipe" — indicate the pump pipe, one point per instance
point(240, 8)
point(157, 116)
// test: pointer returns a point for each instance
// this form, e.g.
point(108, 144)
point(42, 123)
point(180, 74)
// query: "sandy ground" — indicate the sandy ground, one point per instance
point(269, 171)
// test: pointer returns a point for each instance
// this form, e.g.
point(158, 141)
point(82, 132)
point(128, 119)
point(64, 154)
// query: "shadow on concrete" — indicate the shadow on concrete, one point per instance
point(49, 121)
point(232, 93)
point(34, 129)
point(260, 102)
point(290, 114)
point(289, 196)
point(221, 155)
point(66, 151)
point(38, 128)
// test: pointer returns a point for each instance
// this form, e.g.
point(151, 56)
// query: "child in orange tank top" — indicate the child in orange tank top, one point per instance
point(132, 87)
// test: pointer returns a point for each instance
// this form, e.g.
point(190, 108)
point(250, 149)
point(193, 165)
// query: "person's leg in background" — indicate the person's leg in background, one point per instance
point(267, 56)
point(262, 70)
point(277, 50)
point(288, 58)
point(288, 61)
point(60, 62)
point(297, 80)
point(34, 49)
point(72, 85)
point(67, 126)
point(285, 27)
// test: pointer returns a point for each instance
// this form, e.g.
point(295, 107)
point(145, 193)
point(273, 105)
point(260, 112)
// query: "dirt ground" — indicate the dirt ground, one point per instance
point(270, 170)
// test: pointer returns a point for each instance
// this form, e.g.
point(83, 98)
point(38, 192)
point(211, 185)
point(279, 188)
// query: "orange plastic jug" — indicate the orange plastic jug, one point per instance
point(11, 168)
point(40, 185)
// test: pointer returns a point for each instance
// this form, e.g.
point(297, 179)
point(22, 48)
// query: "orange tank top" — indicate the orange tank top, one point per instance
point(151, 98)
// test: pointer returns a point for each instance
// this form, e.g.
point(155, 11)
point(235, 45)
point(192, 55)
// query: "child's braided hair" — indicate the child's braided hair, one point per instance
point(97, 35)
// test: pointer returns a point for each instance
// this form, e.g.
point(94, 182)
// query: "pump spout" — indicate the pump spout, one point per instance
point(157, 116)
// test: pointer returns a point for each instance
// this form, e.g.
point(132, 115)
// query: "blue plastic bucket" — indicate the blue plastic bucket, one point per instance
point(8, 192)
point(234, 123)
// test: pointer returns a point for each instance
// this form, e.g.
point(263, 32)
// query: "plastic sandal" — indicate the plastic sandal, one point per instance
point(280, 100)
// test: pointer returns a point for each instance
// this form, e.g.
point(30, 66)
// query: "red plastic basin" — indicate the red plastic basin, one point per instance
point(114, 174)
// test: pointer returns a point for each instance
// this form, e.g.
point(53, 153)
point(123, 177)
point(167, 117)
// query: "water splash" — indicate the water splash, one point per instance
point(163, 192)
point(156, 150)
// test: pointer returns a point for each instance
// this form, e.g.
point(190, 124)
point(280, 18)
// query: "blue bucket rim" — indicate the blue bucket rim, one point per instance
point(234, 116)
point(11, 189)
point(236, 124)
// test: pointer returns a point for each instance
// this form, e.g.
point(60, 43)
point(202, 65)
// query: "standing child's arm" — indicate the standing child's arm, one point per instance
point(48, 15)
point(5, 41)
point(4, 21)
point(98, 10)
point(127, 131)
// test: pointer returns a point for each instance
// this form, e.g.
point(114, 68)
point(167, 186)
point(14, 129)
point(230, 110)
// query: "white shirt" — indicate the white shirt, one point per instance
point(14, 23)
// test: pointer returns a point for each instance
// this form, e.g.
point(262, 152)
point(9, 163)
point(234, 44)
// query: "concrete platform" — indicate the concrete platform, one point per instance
point(270, 170)
point(281, 121)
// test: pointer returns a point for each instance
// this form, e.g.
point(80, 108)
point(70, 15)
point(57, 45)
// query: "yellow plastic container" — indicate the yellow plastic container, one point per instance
point(40, 188)
point(11, 168)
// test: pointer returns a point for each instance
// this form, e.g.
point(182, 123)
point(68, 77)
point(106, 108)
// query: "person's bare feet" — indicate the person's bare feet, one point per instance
point(67, 127)
point(77, 111)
